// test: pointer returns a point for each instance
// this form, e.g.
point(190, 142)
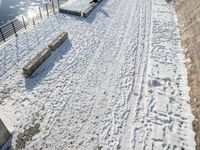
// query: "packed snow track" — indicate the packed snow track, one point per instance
point(120, 82)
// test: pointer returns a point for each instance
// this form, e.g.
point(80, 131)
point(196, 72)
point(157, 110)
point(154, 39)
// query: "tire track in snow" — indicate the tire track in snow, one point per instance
point(143, 55)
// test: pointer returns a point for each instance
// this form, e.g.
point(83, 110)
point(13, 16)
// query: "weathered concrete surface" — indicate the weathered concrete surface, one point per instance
point(4, 134)
point(91, 8)
point(72, 12)
point(34, 63)
point(63, 36)
point(188, 12)
point(58, 41)
point(88, 11)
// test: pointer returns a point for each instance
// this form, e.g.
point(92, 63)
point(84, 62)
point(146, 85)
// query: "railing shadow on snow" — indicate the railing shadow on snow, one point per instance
point(21, 23)
point(13, 53)
point(47, 66)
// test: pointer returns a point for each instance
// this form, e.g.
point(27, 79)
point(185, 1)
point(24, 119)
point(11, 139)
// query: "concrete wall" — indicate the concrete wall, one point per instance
point(188, 12)
point(4, 134)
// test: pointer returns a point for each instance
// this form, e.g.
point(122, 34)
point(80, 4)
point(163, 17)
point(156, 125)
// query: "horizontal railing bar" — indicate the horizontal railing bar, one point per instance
point(8, 23)
point(13, 27)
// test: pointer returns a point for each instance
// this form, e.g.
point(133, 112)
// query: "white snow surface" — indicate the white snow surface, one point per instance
point(80, 5)
point(120, 82)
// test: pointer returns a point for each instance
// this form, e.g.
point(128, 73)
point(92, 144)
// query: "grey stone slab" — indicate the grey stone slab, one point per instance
point(58, 41)
point(63, 36)
point(72, 12)
point(55, 44)
point(4, 134)
point(90, 9)
point(35, 63)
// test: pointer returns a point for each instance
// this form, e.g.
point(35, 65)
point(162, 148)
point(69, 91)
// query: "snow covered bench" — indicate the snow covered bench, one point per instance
point(90, 9)
point(4, 136)
point(58, 41)
point(72, 12)
point(34, 63)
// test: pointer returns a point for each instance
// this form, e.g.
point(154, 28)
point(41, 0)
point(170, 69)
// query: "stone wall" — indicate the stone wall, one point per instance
point(188, 12)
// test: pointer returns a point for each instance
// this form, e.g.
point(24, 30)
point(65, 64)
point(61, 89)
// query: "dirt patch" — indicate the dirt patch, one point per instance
point(189, 21)
point(26, 136)
point(4, 94)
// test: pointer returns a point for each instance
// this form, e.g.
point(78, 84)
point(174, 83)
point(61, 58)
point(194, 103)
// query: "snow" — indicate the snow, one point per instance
point(80, 5)
point(120, 81)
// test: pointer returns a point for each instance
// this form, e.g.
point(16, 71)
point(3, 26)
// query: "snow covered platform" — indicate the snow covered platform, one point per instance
point(80, 8)
point(69, 11)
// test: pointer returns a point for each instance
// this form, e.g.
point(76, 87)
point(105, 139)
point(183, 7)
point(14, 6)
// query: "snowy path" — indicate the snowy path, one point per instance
point(118, 83)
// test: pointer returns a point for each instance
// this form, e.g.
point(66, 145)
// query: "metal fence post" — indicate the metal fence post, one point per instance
point(33, 21)
point(58, 4)
point(40, 13)
point(2, 35)
point(53, 6)
point(47, 9)
point(24, 22)
point(14, 28)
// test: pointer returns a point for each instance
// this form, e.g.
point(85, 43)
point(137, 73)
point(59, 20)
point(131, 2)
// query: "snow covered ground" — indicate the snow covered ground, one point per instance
point(120, 82)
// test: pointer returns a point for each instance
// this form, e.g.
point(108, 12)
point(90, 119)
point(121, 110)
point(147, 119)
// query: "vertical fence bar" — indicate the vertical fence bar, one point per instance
point(58, 4)
point(47, 9)
point(2, 35)
point(14, 28)
point(53, 6)
point(33, 21)
point(24, 22)
point(40, 13)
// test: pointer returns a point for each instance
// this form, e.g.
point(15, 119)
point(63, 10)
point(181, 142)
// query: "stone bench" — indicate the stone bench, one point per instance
point(68, 11)
point(4, 135)
point(58, 41)
point(34, 63)
point(90, 9)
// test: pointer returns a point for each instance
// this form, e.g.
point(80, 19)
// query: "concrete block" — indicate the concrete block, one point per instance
point(90, 9)
point(34, 63)
point(58, 41)
point(4, 135)
point(72, 12)
point(63, 36)
point(55, 44)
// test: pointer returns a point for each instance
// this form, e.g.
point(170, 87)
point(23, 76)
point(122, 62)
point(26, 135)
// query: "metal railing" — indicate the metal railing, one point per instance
point(21, 23)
